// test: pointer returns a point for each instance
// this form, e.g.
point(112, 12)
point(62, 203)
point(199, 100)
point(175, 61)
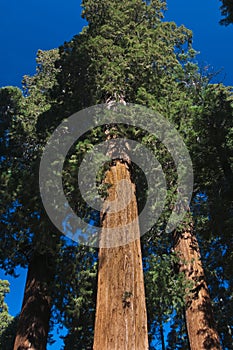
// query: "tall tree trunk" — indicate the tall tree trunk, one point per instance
point(186, 328)
point(201, 328)
point(121, 320)
point(161, 331)
point(33, 324)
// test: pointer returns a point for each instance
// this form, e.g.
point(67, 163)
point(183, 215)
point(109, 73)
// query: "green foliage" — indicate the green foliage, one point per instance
point(4, 289)
point(7, 337)
point(21, 149)
point(128, 49)
point(75, 295)
point(128, 52)
point(165, 288)
point(7, 322)
point(178, 333)
point(212, 205)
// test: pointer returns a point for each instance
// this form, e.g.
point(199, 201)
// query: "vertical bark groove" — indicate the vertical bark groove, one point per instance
point(201, 327)
point(33, 324)
point(121, 320)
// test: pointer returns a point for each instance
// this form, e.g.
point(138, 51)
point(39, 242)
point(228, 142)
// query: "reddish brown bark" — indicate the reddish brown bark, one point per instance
point(121, 320)
point(33, 324)
point(201, 327)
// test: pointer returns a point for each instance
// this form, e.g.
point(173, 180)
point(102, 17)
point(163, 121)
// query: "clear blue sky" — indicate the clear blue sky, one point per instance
point(214, 42)
point(29, 25)
point(26, 26)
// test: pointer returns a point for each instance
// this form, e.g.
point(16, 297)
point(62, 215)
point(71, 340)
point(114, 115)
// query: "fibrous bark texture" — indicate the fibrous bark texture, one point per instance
point(121, 320)
point(33, 324)
point(201, 328)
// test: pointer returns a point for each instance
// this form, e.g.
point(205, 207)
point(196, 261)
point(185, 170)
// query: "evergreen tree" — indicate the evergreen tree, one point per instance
point(119, 74)
point(121, 320)
point(5, 318)
point(22, 234)
point(213, 207)
point(129, 56)
point(199, 314)
point(127, 53)
point(7, 322)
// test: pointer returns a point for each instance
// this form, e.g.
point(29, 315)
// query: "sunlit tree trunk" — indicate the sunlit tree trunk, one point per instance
point(121, 320)
point(33, 324)
point(201, 328)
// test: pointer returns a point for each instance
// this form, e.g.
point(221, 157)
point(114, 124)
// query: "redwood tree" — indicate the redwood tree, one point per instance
point(125, 53)
point(200, 322)
point(33, 323)
point(121, 321)
point(130, 55)
point(24, 227)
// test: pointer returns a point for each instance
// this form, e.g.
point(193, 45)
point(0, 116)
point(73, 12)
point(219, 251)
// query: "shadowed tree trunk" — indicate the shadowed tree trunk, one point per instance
point(33, 324)
point(121, 320)
point(201, 327)
point(161, 331)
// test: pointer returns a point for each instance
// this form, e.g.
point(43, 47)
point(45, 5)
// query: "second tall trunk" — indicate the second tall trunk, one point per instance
point(201, 327)
point(33, 324)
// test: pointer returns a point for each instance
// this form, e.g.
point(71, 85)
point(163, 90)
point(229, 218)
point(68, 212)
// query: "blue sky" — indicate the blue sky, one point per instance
point(29, 25)
point(214, 42)
point(26, 26)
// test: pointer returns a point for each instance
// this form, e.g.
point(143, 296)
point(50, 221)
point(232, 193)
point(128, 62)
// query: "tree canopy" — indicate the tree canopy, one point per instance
point(127, 52)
